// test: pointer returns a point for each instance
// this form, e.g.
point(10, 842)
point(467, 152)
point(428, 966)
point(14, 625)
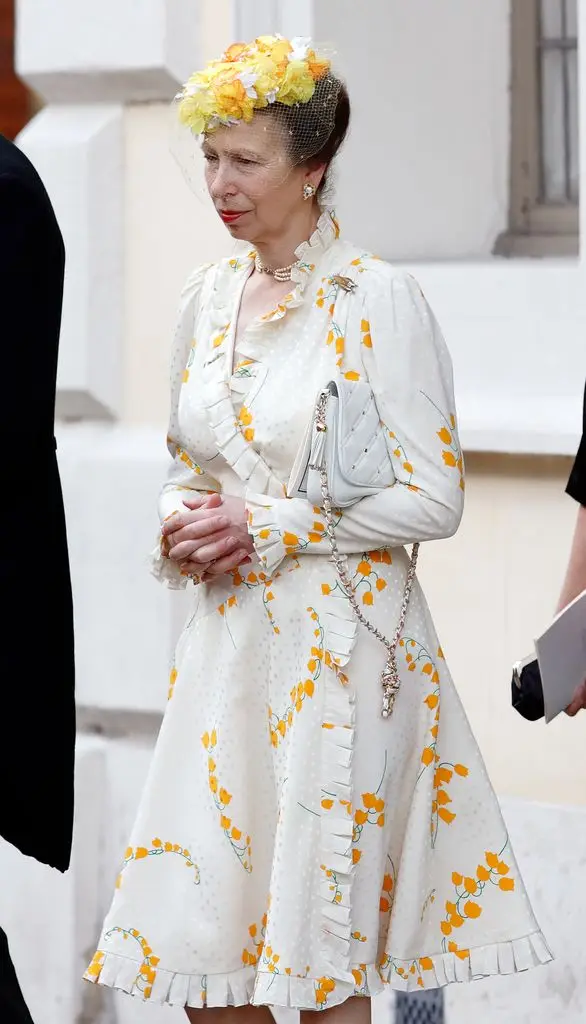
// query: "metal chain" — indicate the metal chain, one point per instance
point(390, 676)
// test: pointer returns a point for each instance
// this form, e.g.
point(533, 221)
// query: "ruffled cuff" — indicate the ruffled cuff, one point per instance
point(263, 527)
point(165, 570)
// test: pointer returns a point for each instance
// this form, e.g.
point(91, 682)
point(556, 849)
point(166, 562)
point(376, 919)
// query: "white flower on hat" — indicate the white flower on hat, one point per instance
point(301, 45)
point(249, 80)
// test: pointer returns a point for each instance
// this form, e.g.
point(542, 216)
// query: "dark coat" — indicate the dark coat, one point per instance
point(577, 483)
point(37, 722)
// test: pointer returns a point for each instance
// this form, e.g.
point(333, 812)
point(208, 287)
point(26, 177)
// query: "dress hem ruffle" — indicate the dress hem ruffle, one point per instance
point(262, 988)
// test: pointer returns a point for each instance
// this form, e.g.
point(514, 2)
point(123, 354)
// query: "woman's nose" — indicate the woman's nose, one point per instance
point(221, 184)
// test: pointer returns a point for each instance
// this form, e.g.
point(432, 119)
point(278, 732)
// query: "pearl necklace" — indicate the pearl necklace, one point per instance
point(279, 274)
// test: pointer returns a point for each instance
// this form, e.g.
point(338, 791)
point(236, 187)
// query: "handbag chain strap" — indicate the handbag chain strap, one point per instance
point(390, 676)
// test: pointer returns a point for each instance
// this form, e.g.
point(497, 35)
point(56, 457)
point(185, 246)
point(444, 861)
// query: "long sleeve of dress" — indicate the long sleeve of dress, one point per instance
point(184, 477)
point(409, 368)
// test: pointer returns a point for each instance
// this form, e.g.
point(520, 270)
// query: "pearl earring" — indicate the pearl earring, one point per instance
point(309, 191)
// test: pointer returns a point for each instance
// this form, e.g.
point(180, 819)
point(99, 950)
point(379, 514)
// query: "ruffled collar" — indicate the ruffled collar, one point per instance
point(227, 296)
point(308, 255)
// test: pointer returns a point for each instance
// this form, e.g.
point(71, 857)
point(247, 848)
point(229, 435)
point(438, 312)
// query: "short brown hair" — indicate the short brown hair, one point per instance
point(304, 121)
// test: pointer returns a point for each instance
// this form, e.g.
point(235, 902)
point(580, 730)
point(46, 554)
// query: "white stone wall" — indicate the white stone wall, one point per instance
point(424, 180)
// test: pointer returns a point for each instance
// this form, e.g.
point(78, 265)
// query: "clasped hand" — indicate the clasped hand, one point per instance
point(210, 538)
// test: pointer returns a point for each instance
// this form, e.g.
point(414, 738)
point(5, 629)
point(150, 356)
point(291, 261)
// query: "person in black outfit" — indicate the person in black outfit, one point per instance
point(575, 581)
point(37, 726)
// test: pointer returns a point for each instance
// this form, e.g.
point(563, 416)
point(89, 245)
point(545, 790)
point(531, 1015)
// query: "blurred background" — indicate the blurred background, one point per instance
point(465, 162)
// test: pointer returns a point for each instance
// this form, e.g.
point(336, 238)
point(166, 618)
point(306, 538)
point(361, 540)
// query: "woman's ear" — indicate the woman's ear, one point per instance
point(315, 175)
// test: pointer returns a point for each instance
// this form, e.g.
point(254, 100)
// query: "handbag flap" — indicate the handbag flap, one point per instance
point(361, 447)
point(297, 484)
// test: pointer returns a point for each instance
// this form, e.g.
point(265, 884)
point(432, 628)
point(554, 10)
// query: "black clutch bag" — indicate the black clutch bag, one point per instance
point(527, 691)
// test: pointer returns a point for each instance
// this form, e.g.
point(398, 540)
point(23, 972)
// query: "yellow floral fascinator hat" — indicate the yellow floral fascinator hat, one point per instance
point(250, 77)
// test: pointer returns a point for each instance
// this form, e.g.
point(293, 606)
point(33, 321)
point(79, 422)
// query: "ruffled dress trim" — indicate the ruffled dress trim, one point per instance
point(246, 985)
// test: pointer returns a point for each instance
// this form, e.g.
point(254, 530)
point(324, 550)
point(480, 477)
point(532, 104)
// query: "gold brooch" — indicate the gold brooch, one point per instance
point(346, 283)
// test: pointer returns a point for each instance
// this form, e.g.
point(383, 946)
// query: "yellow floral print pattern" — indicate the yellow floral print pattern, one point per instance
point(335, 337)
point(271, 962)
point(444, 774)
point(452, 452)
point(158, 849)
point(280, 309)
point(238, 264)
point(257, 935)
point(372, 812)
point(172, 680)
point(193, 466)
point(360, 261)
point(366, 333)
point(94, 969)
point(263, 955)
point(328, 802)
point(280, 723)
point(190, 359)
point(388, 889)
point(429, 901)
point(245, 421)
point(326, 297)
point(221, 337)
point(333, 884)
point(323, 988)
point(417, 656)
point(469, 889)
point(147, 973)
point(293, 543)
point(415, 967)
point(367, 582)
point(360, 982)
point(253, 580)
point(242, 369)
point(231, 602)
point(222, 798)
point(400, 453)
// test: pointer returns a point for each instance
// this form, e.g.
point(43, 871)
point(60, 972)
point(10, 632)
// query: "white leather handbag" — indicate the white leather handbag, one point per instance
point(345, 435)
point(342, 459)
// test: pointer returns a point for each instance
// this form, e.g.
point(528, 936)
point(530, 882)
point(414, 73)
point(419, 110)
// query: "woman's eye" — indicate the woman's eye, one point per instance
point(245, 161)
point(210, 158)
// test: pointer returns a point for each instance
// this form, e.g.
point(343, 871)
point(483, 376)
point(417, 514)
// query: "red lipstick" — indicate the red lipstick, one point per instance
point(230, 216)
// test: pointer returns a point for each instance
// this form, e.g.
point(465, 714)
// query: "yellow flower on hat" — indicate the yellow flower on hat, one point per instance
point(196, 109)
point(232, 100)
point(318, 66)
point(235, 52)
point(268, 44)
point(298, 85)
point(249, 77)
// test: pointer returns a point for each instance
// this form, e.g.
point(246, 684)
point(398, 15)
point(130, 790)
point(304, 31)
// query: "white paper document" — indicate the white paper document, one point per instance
point(561, 653)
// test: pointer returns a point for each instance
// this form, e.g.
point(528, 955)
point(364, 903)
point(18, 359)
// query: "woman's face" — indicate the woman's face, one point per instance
point(253, 183)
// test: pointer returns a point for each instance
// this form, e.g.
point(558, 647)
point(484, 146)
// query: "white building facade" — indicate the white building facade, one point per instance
point(425, 180)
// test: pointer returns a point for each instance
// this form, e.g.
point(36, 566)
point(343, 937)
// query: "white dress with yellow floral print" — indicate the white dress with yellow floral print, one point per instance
point(292, 847)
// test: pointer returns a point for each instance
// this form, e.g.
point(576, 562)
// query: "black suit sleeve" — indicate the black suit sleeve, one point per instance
point(577, 483)
point(38, 710)
point(20, 214)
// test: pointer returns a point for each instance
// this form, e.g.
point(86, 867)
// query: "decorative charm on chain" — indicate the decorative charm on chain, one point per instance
point(390, 676)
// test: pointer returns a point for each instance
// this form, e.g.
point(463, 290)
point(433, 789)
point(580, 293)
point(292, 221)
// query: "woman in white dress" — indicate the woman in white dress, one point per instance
point(292, 846)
